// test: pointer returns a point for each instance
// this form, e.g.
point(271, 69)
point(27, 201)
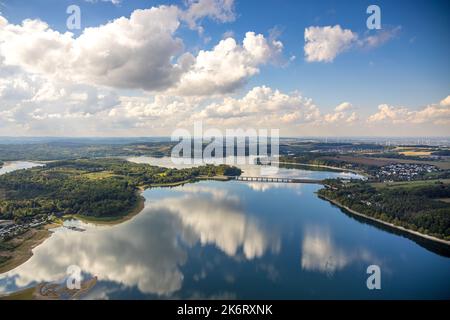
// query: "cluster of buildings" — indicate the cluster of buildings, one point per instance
point(404, 171)
point(10, 229)
point(352, 149)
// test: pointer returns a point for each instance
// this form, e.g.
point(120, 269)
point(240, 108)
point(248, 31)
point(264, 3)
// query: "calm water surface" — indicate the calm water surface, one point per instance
point(17, 165)
point(237, 240)
point(250, 169)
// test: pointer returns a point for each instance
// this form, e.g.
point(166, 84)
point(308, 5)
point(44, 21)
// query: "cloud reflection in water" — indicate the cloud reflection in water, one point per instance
point(148, 251)
point(319, 253)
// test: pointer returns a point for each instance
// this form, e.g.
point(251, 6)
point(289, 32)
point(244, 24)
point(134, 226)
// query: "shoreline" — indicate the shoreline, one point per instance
point(362, 173)
point(180, 183)
point(24, 251)
point(400, 228)
point(139, 206)
point(141, 202)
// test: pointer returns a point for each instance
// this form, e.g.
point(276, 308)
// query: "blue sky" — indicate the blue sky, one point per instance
point(410, 69)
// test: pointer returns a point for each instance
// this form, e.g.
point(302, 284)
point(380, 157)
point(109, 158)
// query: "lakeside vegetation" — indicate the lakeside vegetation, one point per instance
point(407, 186)
point(92, 188)
point(412, 205)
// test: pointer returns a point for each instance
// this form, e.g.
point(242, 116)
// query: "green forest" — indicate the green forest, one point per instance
point(98, 188)
point(66, 150)
point(416, 207)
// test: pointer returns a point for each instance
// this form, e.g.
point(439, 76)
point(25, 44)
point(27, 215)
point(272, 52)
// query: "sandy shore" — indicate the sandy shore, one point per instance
point(32, 238)
point(27, 242)
point(416, 233)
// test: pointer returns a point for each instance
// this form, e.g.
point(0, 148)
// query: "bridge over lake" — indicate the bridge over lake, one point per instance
point(278, 180)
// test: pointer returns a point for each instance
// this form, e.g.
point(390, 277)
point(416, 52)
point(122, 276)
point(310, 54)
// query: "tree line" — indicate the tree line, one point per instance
point(99, 188)
point(414, 207)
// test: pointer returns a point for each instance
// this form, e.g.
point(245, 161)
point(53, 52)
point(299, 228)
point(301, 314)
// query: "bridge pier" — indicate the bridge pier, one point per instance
point(278, 180)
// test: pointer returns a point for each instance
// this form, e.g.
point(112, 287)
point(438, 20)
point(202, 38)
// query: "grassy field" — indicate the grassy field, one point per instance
point(408, 184)
point(368, 161)
point(415, 153)
point(380, 161)
point(99, 175)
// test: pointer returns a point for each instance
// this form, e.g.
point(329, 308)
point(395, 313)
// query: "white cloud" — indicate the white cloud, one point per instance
point(227, 66)
point(16, 89)
point(343, 106)
point(139, 52)
point(263, 105)
point(341, 113)
point(133, 52)
point(352, 118)
point(161, 106)
point(380, 37)
point(70, 86)
point(386, 112)
point(323, 44)
point(38, 105)
point(445, 102)
point(116, 2)
point(219, 10)
point(334, 117)
point(438, 114)
point(33, 104)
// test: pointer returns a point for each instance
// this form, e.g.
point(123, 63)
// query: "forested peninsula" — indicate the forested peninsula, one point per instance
point(91, 188)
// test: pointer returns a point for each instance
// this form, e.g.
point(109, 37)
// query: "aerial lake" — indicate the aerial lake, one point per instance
point(238, 240)
point(17, 165)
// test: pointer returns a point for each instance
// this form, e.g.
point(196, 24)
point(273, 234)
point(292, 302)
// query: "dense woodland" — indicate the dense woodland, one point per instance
point(99, 188)
point(415, 207)
point(66, 150)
